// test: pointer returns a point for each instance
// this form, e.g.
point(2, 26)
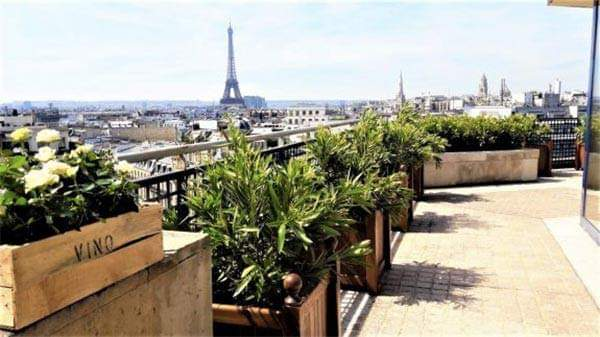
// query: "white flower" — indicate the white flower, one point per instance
point(81, 150)
point(39, 179)
point(45, 154)
point(60, 169)
point(20, 135)
point(124, 168)
point(47, 136)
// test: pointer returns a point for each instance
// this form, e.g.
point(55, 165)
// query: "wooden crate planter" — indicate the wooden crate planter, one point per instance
point(42, 277)
point(306, 317)
point(401, 221)
point(545, 159)
point(367, 277)
point(579, 155)
point(416, 182)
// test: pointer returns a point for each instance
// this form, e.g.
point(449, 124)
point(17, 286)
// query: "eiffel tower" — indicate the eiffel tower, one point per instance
point(231, 83)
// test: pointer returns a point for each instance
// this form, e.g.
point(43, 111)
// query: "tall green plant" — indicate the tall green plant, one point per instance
point(408, 144)
point(266, 220)
point(360, 155)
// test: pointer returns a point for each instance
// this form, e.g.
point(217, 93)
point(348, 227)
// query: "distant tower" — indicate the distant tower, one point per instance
point(401, 99)
point(504, 91)
point(483, 87)
point(557, 86)
point(231, 83)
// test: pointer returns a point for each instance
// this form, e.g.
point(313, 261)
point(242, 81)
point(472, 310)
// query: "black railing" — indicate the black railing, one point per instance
point(170, 188)
point(564, 137)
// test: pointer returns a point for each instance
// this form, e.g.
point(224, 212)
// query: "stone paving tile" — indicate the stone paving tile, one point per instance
point(479, 261)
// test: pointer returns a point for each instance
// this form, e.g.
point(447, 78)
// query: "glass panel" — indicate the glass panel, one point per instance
point(592, 169)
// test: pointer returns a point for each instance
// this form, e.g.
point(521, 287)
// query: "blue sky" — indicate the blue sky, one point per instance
point(337, 50)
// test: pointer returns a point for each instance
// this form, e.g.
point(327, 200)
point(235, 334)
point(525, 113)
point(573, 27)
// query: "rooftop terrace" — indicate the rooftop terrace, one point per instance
point(482, 261)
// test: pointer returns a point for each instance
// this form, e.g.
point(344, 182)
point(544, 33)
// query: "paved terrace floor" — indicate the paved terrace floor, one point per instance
point(480, 261)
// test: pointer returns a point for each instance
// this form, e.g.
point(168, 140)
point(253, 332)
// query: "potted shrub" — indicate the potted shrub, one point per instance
point(491, 149)
point(409, 147)
point(359, 155)
point(269, 224)
point(69, 226)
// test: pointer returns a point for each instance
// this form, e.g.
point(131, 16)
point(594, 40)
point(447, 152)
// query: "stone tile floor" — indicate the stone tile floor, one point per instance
point(480, 261)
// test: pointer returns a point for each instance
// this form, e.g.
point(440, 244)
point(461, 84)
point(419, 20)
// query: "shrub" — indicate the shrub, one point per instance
point(266, 220)
point(408, 144)
point(465, 133)
point(45, 194)
point(360, 155)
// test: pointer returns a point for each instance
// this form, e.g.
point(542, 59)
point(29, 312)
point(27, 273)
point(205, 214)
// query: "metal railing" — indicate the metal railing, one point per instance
point(564, 137)
point(178, 150)
point(170, 188)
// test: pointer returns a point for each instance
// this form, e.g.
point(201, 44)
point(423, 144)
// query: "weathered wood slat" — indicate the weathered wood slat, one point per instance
point(367, 277)
point(43, 277)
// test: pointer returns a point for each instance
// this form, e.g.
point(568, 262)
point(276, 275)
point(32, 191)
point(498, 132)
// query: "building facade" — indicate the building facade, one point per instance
point(306, 116)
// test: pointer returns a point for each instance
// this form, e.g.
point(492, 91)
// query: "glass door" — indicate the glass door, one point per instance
point(591, 179)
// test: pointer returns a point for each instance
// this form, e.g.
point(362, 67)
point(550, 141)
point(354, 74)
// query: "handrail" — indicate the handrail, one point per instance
point(198, 147)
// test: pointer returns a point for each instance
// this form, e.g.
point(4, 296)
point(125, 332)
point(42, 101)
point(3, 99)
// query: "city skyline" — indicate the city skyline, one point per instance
point(309, 51)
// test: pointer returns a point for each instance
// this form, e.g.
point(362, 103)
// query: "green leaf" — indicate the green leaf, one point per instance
point(281, 237)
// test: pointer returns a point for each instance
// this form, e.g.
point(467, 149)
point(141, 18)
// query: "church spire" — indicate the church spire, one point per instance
point(401, 98)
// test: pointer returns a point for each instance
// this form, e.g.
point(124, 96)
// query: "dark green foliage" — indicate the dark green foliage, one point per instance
point(94, 192)
point(465, 133)
point(266, 220)
point(360, 155)
point(408, 144)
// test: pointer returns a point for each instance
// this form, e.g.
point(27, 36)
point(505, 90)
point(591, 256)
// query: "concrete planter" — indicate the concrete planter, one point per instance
point(481, 167)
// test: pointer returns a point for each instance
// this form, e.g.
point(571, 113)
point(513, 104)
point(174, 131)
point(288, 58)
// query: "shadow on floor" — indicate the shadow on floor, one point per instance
point(430, 222)
point(453, 198)
point(413, 283)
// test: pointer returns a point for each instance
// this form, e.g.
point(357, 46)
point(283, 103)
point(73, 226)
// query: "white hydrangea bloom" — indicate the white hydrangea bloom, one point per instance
point(45, 154)
point(61, 169)
point(124, 168)
point(81, 149)
point(47, 136)
point(39, 179)
point(20, 135)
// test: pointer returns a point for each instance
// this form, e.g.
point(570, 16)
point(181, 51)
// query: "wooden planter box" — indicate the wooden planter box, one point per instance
point(367, 277)
point(545, 159)
point(401, 221)
point(42, 277)
point(416, 182)
point(579, 155)
point(307, 319)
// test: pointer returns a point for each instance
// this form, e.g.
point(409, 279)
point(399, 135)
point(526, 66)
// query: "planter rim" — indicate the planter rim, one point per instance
point(47, 239)
point(263, 312)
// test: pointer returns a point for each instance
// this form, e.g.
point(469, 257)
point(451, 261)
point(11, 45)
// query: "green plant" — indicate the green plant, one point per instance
point(408, 144)
point(465, 133)
point(360, 155)
point(45, 194)
point(266, 220)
